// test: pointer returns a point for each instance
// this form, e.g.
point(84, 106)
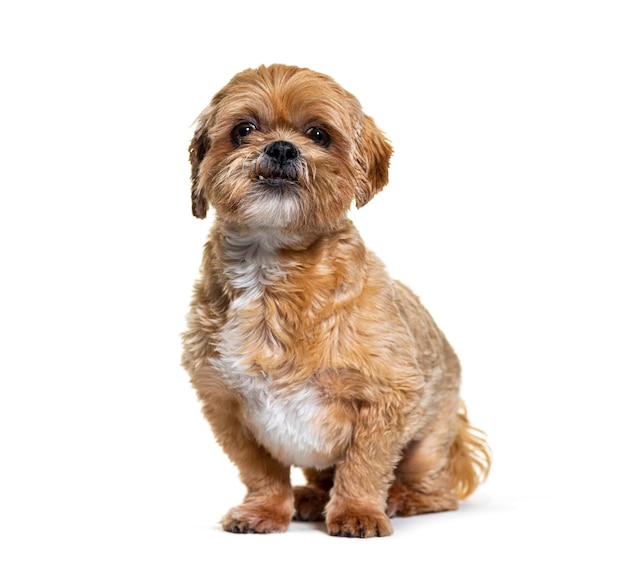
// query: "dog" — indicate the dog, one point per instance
point(302, 350)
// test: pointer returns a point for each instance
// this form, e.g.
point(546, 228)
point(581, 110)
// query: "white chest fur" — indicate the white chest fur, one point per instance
point(289, 421)
point(288, 424)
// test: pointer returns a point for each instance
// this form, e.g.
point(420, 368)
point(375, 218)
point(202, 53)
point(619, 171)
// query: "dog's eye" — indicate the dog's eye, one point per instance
point(318, 135)
point(240, 132)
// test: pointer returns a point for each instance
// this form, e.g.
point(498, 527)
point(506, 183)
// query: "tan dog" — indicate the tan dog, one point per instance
point(302, 350)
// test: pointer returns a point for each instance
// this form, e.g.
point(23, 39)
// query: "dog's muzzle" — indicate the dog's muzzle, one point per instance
point(278, 165)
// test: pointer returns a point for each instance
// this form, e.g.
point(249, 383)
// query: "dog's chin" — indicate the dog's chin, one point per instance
point(273, 203)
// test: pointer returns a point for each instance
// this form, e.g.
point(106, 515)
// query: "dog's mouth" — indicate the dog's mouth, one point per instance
point(277, 180)
point(286, 177)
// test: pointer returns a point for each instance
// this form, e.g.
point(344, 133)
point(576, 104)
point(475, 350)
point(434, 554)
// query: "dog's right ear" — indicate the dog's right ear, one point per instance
point(199, 147)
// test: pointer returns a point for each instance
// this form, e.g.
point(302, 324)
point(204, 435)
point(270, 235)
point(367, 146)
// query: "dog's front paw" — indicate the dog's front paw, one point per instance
point(256, 518)
point(357, 522)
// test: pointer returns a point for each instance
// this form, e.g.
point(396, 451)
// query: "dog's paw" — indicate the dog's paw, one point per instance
point(358, 523)
point(403, 500)
point(310, 503)
point(254, 518)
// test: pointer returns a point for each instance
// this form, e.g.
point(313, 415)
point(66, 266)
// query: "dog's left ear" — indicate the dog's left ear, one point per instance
point(200, 145)
point(373, 153)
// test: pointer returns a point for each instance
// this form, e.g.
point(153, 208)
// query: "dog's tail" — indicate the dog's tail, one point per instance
point(469, 458)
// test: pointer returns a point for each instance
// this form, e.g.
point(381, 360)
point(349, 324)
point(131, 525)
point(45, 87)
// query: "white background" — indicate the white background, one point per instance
point(504, 212)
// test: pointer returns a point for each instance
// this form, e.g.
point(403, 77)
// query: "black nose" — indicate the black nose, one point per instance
point(282, 152)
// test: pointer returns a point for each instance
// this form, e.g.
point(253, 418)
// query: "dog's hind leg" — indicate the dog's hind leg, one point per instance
point(436, 471)
point(423, 481)
point(311, 499)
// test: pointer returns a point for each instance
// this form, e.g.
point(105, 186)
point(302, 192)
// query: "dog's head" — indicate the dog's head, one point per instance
point(285, 147)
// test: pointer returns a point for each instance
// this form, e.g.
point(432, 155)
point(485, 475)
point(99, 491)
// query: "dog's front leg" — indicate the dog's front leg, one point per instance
point(358, 497)
point(268, 505)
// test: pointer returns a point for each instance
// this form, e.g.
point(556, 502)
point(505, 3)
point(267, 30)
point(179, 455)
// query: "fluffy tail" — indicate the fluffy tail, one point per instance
point(470, 456)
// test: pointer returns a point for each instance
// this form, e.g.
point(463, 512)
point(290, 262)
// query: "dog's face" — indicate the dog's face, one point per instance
point(285, 147)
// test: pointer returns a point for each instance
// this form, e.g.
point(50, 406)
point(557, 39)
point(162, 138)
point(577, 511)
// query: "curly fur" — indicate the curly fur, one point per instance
point(303, 351)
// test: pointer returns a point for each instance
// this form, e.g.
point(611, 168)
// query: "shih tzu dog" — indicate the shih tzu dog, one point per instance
point(302, 350)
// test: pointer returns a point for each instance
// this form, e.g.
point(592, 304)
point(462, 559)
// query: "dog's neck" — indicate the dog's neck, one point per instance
point(265, 260)
point(235, 236)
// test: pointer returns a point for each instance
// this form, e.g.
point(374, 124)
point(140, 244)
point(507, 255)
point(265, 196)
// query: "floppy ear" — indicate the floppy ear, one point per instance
point(373, 153)
point(200, 145)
